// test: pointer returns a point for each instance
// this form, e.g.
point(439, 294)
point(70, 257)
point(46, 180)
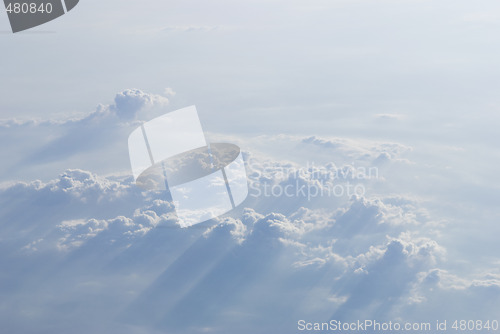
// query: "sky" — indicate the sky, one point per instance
point(401, 93)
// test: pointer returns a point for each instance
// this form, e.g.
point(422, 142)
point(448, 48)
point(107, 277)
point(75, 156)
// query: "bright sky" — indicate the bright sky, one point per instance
point(410, 87)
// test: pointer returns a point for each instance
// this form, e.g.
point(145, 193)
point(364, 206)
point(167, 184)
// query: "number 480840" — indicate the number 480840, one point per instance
point(478, 325)
point(29, 7)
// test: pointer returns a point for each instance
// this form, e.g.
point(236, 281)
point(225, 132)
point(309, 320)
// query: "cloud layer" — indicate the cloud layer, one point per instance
point(102, 249)
point(42, 146)
point(87, 245)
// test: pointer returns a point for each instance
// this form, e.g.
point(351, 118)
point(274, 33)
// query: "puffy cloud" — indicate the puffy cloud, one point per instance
point(73, 185)
point(358, 149)
point(234, 227)
point(438, 291)
point(274, 260)
point(377, 280)
point(131, 101)
point(79, 198)
point(41, 146)
point(311, 150)
point(127, 104)
point(375, 215)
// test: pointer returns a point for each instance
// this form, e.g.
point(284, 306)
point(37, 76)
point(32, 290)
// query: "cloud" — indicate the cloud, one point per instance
point(38, 208)
point(127, 104)
point(94, 242)
point(169, 92)
point(130, 101)
point(383, 275)
point(357, 149)
point(78, 140)
point(320, 149)
point(438, 291)
point(236, 266)
point(235, 227)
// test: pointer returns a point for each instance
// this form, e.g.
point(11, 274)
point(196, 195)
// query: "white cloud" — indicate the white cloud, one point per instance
point(130, 101)
point(277, 256)
point(42, 146)
point(127, 104)
point(249, 262)
point(279, 259)
point(358, 149)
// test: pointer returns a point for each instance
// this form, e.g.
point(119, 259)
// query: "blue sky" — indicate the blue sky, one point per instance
point(409, 88)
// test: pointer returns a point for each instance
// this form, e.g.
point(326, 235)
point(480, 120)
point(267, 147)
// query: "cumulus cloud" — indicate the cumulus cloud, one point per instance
point(80, 139)
point(104, 235)
point(127, 104)
point(131, 101)
point(357, 148)
point(439, 291)
point(95, 242)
